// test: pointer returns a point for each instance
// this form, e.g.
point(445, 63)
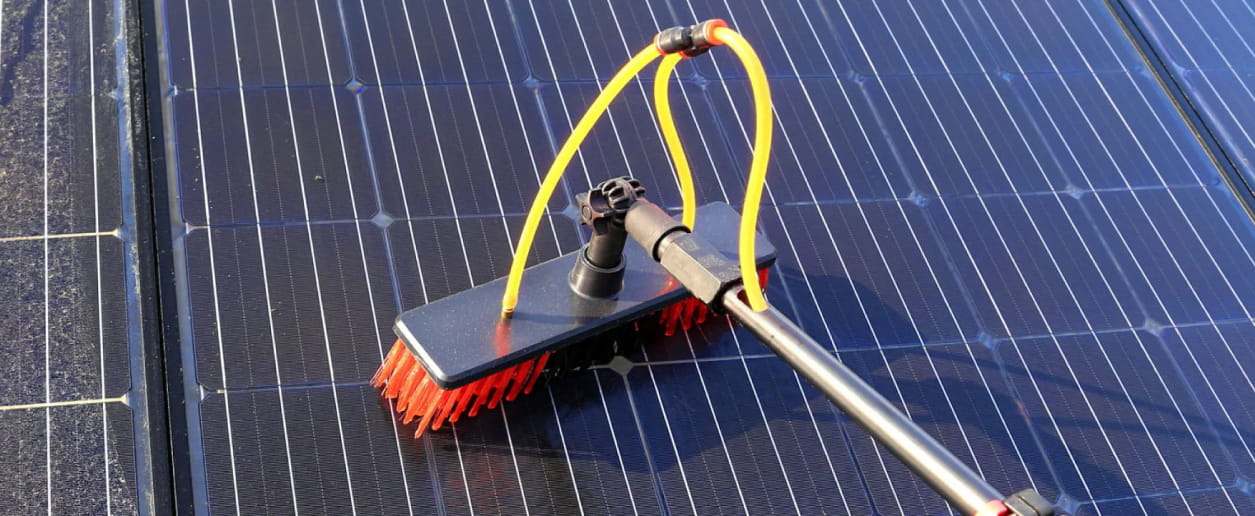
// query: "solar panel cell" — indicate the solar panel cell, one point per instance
point(92, 471)
point(628, 143)
point(1174, 285)
point(278, 326)
point(89, 477)
point(308, 48)
point(577, 444)
point(256, 156)
point(1200, 35)
point(1078, 36)
point(825, 155)
point(1208, 56)
point(584, 41)
point(402, 43)
point(73, 183)
point(707, 460)
point(438, 257)
point(457, 150)
point(843, 288)
point(1217, 367)
point(79, 322)
point(1212, 500)
point(68, 31)
point(953, 392)
point(1132, 433)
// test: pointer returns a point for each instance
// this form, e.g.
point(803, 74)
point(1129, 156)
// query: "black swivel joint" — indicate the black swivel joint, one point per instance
point(691, 41)
point(599, 271)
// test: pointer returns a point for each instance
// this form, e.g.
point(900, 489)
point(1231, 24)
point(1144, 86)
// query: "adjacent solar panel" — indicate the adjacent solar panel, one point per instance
point(1210, 50)
point(988, 208)
point(73, 388)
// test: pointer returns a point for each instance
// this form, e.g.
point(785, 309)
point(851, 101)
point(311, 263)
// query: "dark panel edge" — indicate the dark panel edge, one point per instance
point(1241, 186)
point(168, 446)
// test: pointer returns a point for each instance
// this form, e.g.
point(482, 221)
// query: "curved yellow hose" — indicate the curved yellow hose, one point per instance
point(758, 166)
point(662, 103)
point(511, 298)
point(754, 187)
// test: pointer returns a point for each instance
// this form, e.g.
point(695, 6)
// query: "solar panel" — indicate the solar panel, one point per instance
point(991, 210)
point(1210, 55)
point(74, 388)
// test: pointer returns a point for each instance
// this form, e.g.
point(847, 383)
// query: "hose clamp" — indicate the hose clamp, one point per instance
point(690, 41)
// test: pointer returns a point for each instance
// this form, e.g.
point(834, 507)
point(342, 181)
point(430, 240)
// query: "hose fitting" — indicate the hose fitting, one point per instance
point(691, 41)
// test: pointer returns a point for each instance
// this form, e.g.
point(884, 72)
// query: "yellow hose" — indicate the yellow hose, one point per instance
point(758, 166)
point(688, 194)
point(642, 59)
point(754, 187)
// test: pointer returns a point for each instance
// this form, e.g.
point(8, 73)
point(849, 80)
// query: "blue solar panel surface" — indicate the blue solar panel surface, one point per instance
point(991, 210)
point(74, 394)
point(1210, 50)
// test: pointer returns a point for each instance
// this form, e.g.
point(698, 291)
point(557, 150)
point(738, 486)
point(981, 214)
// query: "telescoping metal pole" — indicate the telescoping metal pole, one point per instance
point(944, 472)
point(713, 279)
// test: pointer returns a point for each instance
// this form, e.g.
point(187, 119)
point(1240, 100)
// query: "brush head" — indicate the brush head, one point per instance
point(463, 338)
point(457, 355)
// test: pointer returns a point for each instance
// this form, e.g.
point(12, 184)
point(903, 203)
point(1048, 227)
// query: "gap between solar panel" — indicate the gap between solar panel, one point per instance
point(455, 357)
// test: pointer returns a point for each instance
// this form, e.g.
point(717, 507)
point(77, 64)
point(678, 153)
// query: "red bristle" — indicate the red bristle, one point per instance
point(402, 369)
point(702, 312)
point(481, 397)
point(464, 399)
point(540, 368)
point(672, 317)
point(520, 376)
point(407, 386)
point(447, 399)
point(429, 411)
point(430, 392)
point(420, 396)
point(498, 389)
point(686, 314)
point(459, 404)
point(389, 364)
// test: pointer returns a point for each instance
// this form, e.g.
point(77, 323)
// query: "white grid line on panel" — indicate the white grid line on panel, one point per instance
point(1102, 275)
point(313, 256)
point(1141, 270)
point(213, 269)
point(918, 244)
point(984, 284)
point(1032, 221)
point(405, 203)
point(361, 246)
point(100, 307)
point(261, 255)
point(47, 292)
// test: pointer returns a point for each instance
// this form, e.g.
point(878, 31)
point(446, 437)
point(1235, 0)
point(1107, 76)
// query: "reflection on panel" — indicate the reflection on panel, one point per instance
point(1209, 48)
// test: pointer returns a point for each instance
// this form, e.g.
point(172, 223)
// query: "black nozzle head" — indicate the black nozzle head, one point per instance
point(691, 41)
point(608, 203)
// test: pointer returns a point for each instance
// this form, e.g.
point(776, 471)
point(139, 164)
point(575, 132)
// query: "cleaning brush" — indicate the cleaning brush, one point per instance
point(453, 358)
point(436, 373)
point(417, 393)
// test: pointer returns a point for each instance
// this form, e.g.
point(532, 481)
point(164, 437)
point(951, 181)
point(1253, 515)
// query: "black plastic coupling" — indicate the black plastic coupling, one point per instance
point(691, 41)
point(598, 272)
point(688, 257)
